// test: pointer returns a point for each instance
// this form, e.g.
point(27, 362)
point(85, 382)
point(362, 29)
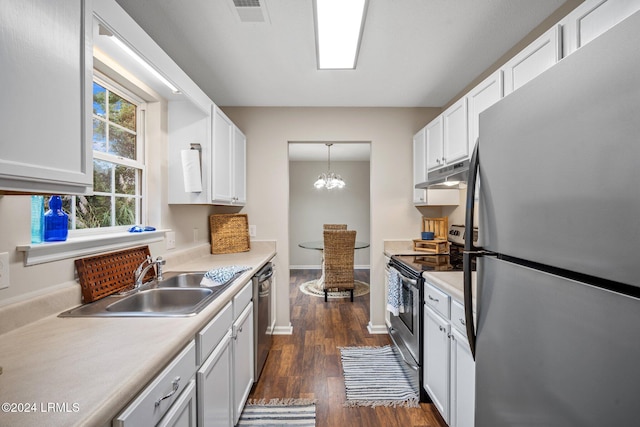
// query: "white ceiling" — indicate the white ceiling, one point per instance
point(414, 53)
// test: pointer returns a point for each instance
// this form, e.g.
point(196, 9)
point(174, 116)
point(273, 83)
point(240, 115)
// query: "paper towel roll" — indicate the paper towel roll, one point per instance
point(191, 169)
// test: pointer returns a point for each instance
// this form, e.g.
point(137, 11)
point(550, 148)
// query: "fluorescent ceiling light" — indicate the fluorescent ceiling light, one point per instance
point(144, 63)
point(339, 25)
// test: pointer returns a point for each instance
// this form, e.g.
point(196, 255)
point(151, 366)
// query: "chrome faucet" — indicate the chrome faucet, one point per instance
point(141, 271)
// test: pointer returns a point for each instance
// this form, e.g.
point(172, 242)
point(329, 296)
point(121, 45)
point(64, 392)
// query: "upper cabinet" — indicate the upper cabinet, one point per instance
point(539, 56)
point(479, 99)
point(456, 138)
point(45, 110)
point(434, 135)
point(229, 161)
point(419, 169)
point(592, 18)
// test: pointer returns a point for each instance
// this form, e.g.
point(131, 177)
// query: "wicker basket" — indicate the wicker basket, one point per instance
point(229, 233)
point(106, 274)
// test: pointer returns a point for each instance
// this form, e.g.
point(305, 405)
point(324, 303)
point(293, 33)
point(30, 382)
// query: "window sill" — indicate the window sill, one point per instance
point(78, 246)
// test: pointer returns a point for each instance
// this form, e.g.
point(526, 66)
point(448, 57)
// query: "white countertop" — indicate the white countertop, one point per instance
point(93, 367)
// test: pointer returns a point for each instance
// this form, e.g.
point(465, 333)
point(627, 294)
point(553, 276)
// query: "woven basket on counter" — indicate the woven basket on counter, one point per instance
point(229, 233)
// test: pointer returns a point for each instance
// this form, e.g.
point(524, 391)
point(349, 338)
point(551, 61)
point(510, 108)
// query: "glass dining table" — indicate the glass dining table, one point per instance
point(319, 245)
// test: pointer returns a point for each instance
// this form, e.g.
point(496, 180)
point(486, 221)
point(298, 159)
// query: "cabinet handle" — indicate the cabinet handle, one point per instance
point(176, 386)
point(438, 161)
point(462, 322)
point(434, 299)
point(441, 328)
point(444, 160)
point(452, 337)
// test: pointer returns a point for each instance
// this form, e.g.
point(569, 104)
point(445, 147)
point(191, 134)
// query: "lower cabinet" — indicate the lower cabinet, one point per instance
point(449, 368)
point(161, 397)
point(208, 383)
point(243, 368)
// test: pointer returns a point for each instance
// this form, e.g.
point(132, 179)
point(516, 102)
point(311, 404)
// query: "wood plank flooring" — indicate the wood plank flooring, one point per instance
point(307, 363)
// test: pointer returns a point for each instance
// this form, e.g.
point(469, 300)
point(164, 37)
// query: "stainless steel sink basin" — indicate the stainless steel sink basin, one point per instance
point(182, 280)
point(178, 295)
point(162, 300)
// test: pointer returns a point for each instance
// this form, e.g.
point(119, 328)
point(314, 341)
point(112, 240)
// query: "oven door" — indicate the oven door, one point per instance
point(405, 328)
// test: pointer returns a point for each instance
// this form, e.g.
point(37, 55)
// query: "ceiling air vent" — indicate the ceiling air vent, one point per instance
point(251, 10)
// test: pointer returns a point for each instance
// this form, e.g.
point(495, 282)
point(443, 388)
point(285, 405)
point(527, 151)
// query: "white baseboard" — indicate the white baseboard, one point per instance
point(377, 329)
point(282, 330)
point(318, 267)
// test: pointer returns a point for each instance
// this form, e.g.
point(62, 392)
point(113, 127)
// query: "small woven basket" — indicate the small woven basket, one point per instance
point(229, 233)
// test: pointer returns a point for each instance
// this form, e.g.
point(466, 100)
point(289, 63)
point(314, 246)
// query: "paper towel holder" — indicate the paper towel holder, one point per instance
point(196, 146)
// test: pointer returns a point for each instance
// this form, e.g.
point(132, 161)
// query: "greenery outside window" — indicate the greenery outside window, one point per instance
point(118, 166)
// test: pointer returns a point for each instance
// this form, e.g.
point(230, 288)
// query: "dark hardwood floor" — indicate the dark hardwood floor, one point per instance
point(307, 364)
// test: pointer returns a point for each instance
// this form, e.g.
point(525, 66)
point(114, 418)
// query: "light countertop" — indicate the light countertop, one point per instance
point(93, 367)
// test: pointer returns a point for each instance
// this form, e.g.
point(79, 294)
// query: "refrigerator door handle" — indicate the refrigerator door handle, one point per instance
point(470, 251)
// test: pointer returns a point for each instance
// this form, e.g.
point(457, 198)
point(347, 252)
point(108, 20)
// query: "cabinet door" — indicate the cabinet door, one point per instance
point(222, 152)
point(215, 405)
point(183, 411)
point(436, 361)
point(479, 99)
point(242, 360)
point(419, 165)
point(463, 382)
point(532, 60)
point(592, 18)
point(434, 138)
point(456, 137)
point(239, 167)
point(47, 63)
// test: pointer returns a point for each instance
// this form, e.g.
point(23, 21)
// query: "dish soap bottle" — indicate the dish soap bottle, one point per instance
point(55, 221)
point(37, 219)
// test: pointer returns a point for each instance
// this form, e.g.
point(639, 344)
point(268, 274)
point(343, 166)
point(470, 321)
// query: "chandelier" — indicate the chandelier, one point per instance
point(329, 180)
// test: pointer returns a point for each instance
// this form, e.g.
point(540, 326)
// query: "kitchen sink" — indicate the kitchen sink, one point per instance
point(162, 300)
point(179, 294)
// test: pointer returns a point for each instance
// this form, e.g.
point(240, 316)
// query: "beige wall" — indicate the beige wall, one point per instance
point(393, 215)
point(310, 208)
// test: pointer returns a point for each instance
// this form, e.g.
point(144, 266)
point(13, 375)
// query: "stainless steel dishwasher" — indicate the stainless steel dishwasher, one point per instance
point(262, 291)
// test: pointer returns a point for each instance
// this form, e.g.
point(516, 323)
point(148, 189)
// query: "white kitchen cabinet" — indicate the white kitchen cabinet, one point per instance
point(481, 97)
point(436, 360)
point(592, 18)
point(158, 398)
point(463, 379)
point(183, 411)
point(419, 166)
point(47, 62)
point(243, 368)
point(456, 137)
point(188, 124)
point(229, 161)
point(434, 142)
point(215, 405)
point(530, 62)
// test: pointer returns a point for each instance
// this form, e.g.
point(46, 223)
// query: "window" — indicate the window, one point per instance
point(118, 165)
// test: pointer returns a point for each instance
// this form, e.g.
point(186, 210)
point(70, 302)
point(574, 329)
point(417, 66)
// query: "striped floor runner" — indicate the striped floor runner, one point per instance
point(374, 376)
point(278, 412)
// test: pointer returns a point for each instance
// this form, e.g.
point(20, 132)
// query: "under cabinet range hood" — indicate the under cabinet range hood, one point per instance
point(451, 176)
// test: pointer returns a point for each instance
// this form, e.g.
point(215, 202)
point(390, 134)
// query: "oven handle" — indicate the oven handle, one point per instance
point(404, 358)
point(404, 278)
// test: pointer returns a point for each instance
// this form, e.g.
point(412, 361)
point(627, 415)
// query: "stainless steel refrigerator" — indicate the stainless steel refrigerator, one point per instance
point(557, 341)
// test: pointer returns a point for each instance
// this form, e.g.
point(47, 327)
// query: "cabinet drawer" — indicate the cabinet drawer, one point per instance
point(241, 300)
point(156, 399)
point(457, 316)
point(209, 337)
point(437, 300)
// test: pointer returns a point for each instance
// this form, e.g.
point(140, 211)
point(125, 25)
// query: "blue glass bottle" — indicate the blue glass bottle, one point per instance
point(55, 221)
point(37, 219)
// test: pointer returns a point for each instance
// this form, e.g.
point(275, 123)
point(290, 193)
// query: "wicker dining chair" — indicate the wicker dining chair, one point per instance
point(339, 248)
point(334, 226)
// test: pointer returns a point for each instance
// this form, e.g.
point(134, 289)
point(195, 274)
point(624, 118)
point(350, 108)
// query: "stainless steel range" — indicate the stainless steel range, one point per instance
point(405, 328)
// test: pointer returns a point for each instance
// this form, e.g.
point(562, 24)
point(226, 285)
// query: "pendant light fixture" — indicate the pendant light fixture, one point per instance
point(329, 180)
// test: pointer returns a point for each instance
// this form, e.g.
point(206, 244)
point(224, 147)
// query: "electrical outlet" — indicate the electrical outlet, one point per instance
point(4, 270)
point(252, 231)
point(171, 239)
